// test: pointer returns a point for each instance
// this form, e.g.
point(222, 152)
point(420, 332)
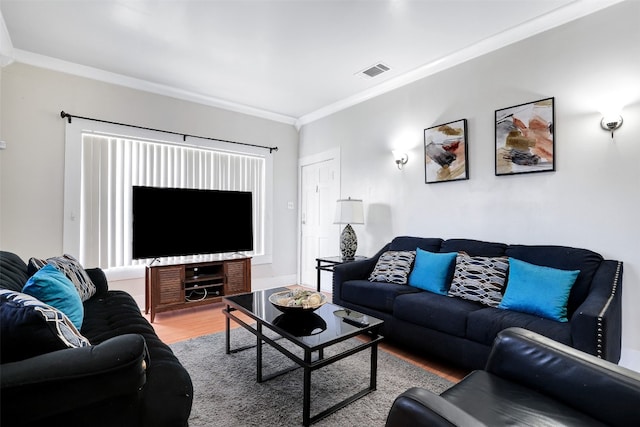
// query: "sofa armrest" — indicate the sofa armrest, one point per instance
point(99, 279)
point(356, 270)
point(601, 389)
point(596, 325)
point(64, 380)
point(418, 407)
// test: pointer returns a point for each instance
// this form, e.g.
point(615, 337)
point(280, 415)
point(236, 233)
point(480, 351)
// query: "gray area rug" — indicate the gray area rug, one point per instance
point(226, 392)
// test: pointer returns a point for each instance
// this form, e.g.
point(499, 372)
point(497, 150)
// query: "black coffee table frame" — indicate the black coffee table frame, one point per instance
point(308, 363)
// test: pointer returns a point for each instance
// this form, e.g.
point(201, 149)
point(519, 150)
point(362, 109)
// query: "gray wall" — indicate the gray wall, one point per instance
point(32, 166)
point(592, 200)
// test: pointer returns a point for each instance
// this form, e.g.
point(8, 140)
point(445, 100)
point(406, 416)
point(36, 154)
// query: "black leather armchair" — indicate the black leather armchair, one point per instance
point(529, 380)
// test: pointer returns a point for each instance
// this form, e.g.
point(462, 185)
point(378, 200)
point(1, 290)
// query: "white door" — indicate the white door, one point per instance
point(319, 235)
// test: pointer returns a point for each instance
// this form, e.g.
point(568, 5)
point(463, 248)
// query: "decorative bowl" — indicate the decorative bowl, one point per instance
point(297, 301)
point(301, 326)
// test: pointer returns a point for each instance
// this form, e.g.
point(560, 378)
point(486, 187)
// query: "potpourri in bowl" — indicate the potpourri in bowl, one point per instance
point(297, 300)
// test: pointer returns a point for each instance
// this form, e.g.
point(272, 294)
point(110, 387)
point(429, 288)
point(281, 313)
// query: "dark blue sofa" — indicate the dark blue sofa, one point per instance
point(461, 331)
point(127, 377)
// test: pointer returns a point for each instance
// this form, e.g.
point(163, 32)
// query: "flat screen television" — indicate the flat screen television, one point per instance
point(178, 222)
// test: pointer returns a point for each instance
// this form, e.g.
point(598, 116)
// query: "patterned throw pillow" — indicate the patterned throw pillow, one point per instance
point(393, 267)
point(478, 278)
point(29, 327)
point(72, 269)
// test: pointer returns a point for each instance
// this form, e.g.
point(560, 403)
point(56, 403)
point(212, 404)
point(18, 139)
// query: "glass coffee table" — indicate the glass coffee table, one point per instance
point(311, 332)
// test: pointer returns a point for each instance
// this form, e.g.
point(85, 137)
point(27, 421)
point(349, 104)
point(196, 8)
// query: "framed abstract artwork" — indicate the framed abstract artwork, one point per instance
point(445, 152)
point(525, 140)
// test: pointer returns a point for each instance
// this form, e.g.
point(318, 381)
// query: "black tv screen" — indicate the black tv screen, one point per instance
point(178, 221)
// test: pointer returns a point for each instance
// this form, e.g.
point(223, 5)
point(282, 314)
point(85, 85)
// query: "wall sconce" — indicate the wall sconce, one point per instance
point(611, 123)
point(400, 158)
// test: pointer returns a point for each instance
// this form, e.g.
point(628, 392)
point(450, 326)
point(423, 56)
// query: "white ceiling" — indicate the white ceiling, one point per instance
point(287, 60)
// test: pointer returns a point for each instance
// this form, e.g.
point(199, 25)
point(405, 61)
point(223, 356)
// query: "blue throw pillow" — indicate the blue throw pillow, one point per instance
point(52, 287)
point(432, 271)
point(534, 289)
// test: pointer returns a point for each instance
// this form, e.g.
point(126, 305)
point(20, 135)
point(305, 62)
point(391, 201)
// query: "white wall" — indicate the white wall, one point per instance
point(590, 201)
point(32, 166)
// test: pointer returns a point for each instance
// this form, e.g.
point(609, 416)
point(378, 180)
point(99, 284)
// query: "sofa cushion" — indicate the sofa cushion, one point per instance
point(68, 265)
point(563, 258)
point(438, 312)
point(13, 271)
point(29, 327)
point(539, 290)
point(393, 267)
point(478, 278)
point(484, 325)
point(376, 295)
point(52, 287)
point(116, 313)
point(474, 247)
point(432, 271)
point(408, 243)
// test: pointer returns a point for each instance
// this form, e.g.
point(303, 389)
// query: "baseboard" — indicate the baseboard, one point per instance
point(258, 284)
point(630, 359)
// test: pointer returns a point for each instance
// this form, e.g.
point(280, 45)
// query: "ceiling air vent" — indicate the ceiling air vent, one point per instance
point(374, 70)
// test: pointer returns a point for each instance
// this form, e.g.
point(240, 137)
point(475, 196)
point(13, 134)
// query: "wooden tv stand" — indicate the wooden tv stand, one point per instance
point(171, 286)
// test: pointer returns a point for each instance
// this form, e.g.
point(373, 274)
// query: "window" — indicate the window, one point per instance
point(98, 184)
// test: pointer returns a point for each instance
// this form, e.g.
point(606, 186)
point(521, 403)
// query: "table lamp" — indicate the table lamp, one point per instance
point(348, 211)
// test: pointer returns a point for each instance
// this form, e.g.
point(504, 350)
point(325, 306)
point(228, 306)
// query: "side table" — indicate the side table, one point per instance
point(327, 264)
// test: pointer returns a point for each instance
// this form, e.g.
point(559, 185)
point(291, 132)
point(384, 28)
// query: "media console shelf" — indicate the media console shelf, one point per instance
point(176, 286)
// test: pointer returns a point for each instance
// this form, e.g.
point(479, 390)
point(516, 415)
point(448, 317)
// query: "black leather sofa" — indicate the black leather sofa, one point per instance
point(127, 377)
point(461, 332)
point(529, 380)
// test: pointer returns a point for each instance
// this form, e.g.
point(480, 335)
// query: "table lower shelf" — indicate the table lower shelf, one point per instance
point(313, 359)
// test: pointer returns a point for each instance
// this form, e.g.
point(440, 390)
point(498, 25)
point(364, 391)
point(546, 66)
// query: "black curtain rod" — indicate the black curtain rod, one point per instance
point(184, 135)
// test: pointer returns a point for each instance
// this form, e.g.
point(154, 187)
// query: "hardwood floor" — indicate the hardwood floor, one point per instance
point(194, 322)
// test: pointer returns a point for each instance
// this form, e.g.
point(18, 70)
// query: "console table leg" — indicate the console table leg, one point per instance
point(373, 382)
point(318, 277)
point(227, 333)
point(259, 352)
point(306, 399)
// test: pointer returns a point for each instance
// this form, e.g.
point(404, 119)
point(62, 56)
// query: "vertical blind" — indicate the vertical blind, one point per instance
point(111, 166)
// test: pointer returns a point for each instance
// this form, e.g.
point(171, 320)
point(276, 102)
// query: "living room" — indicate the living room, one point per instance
point(589, 201)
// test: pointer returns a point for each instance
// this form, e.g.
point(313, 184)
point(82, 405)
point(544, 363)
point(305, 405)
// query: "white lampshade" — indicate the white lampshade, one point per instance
point(349, 211)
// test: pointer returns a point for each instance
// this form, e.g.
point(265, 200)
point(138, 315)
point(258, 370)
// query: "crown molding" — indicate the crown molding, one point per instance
point(54, 64)
point(6, 46)
point(560, 16)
